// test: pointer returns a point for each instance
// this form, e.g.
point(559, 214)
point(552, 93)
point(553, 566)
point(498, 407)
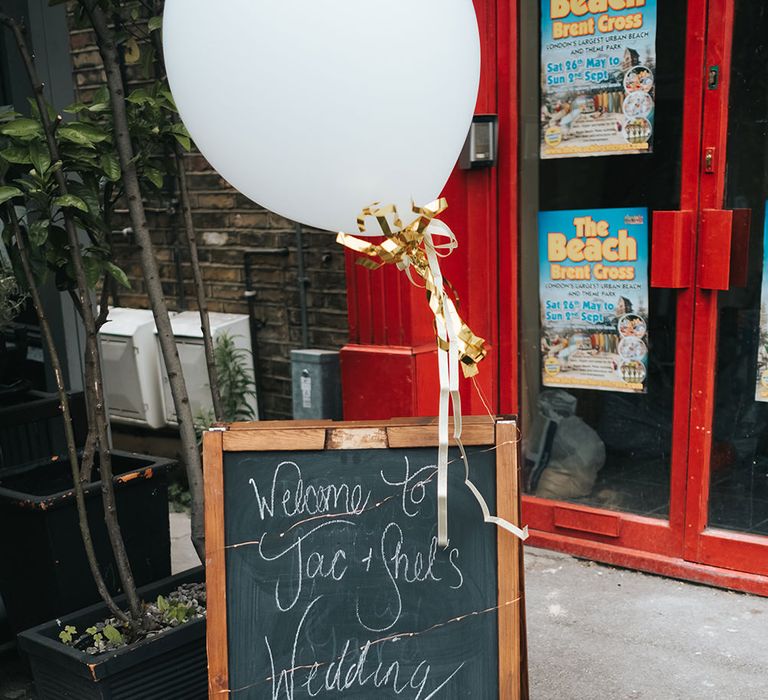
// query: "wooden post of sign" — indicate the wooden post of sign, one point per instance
point(215, 564)
point(512, 664)
point(500, 435)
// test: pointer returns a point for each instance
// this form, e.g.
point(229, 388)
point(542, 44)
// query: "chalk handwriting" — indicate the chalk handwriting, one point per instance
point(312, 570)
point(306, 567)
point(301, 499)
point(413, 487)
point(353, 670)
point(401, 567)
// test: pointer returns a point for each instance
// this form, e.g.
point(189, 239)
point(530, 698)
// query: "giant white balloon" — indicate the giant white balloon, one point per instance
point(318, 108)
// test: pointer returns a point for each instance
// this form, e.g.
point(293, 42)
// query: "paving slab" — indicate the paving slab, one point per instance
point(596, 632)
point(183, 554)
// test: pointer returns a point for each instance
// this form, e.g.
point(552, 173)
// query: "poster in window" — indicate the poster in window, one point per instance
point(761, 393)
point(598, 77)
point(593, 291)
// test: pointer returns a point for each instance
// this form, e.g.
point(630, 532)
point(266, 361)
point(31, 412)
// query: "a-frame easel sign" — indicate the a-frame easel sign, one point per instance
point(324, 575)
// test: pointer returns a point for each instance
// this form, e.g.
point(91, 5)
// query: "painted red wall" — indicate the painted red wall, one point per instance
point(389, 367)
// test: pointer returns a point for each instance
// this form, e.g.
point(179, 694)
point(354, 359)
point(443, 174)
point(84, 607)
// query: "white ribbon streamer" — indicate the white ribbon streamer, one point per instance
point(450, 398)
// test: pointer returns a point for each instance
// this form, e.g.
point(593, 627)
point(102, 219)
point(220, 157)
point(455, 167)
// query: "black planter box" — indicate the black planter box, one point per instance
point(170, 666)
point(32, 427)
point(44, 572)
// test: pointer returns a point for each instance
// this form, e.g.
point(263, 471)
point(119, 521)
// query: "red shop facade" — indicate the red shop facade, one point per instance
point(682, 489)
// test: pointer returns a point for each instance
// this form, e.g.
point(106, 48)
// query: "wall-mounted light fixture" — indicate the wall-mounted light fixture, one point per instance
point(482, 143)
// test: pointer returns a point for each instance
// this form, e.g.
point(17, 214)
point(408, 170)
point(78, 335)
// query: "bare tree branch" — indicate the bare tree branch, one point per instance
point(94, 384)
point(194, 257)
point(190, 451)
point(82, 515)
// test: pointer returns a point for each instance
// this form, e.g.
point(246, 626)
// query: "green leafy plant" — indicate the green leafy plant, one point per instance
point(235, 380)
point(173, 611)
point(90, 163)
point(67, 635)
point(99, 637)
point(11, 297)
point(112, 635)
point(185, 603)
point(61, 177)
point(235, 383)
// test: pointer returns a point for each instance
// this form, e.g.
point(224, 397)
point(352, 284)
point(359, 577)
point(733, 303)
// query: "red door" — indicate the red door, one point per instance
point(727, 500)
point(683, 488)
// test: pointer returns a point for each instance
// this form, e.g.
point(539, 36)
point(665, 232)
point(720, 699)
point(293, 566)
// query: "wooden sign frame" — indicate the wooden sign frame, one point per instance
point(400, 433)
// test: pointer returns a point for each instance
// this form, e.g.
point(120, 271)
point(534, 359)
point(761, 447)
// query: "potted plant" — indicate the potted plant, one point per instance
point(60, 178)
point(161, 666)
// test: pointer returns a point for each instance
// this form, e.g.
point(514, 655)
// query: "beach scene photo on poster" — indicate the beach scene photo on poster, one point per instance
point(593, 291)
point(761, 391)
point(598, 68)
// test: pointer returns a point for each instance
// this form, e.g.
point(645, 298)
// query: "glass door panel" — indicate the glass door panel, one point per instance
point(629, 436)
point(738, 493)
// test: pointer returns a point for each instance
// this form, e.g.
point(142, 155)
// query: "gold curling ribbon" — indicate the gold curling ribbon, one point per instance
point(413, 248)
point(410, 249)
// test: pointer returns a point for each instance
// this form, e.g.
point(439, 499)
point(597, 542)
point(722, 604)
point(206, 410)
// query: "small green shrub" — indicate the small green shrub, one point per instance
point(236, 383)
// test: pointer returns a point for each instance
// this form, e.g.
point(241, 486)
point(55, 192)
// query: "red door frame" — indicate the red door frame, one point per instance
point(508, 205)
point(710, 546)
point(682, 547)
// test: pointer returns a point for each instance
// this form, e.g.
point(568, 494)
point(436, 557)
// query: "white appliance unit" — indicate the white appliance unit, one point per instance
point(129, 365)
point(189, 340)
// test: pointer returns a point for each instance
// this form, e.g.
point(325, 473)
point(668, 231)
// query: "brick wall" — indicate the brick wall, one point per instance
point(229, 226)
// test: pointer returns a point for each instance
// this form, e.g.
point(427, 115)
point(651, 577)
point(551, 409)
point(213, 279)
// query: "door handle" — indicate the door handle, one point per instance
point(723, 248)
point(715, 231)
point(672, 249)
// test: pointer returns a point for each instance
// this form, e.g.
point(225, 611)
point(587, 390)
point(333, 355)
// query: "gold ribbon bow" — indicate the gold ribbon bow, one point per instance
point(413, 248)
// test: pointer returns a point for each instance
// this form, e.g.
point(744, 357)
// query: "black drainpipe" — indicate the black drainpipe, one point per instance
point(181, 293)
point(303, 284)
point(257, 323)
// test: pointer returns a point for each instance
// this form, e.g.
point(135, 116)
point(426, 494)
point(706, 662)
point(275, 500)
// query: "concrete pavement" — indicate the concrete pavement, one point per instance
point(595, 632)
point(598, 633)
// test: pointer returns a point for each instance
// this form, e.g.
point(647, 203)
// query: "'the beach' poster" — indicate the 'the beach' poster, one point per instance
point(593, 290)
point(598, 67)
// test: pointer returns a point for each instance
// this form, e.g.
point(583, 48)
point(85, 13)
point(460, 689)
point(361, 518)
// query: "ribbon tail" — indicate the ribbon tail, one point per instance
point(500, 522)
point(445, 361)
point(487, 517)
point(454, 325)
point(442, 454)
point(412, 250)
point(453, 370)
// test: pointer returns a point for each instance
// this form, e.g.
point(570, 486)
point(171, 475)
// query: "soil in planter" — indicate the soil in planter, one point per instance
point(170, 666)
point(183, 605)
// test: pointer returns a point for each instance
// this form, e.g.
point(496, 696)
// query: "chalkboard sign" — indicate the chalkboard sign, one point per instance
point(324, 573)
